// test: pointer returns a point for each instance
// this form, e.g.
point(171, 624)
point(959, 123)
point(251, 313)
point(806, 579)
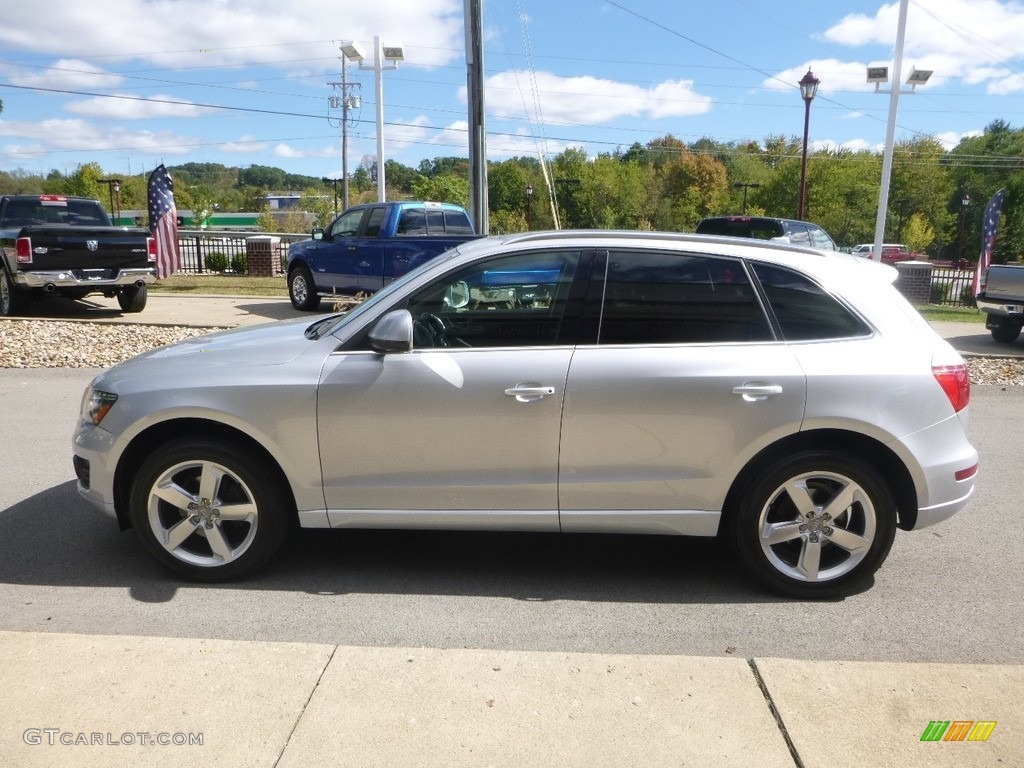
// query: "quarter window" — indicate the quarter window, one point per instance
point(803, 310)
point(673, 298)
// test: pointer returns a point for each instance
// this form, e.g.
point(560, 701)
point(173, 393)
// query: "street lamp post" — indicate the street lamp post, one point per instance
point(114, 186)
point(529, 206)
point(808, 89)
point(965, 201)
point(745, 185)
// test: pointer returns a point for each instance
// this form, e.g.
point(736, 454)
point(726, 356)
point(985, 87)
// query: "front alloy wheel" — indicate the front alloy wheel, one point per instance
point(302, 289)
point(207, 511)
point(816, 525)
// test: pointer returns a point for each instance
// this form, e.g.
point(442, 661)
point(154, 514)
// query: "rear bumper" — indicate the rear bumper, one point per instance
point(81, 278)
point(1002, 307)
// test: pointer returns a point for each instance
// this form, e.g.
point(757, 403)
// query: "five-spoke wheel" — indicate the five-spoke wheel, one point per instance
point(814, 525)
point(207, 511)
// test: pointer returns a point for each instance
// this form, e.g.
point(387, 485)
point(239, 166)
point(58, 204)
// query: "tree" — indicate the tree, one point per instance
point(442, 189)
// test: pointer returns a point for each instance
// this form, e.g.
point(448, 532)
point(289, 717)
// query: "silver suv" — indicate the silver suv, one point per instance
point(789, 402)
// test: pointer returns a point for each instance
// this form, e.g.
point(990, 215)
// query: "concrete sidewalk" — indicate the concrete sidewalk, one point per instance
point(82, 701)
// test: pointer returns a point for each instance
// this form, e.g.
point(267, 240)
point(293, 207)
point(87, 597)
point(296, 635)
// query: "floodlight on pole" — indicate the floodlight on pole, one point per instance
point(808, 89)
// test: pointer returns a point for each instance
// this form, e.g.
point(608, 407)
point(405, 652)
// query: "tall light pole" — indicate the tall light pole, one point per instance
point(529, 206)
point(385, 56)
point(808, 89)
point(878, 75)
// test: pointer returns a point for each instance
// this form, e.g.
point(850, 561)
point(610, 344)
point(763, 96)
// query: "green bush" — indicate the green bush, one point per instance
point(940, 293)
point(216, 261)
point(240, 264)
point(967, 297)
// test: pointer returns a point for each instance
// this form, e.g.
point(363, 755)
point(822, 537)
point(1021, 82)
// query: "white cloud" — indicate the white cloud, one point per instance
point(949, 139)
point(201, 33)
point(589, 100)
point(66, 74)
point(955, 38)
point(63, 135)
point(126, 107)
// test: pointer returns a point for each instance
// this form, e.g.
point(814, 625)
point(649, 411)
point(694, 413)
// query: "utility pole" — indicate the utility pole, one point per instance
point(477, 127)
point(346, 101)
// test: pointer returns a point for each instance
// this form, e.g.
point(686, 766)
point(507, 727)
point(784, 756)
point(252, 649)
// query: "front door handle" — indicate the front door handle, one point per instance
point(529, 393)
point(756, 392)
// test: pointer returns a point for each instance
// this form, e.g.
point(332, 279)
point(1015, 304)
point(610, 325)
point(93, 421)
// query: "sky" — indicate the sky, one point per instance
point(130, 84)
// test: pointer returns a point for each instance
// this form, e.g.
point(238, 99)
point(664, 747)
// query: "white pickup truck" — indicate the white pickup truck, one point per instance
point(1002, 301)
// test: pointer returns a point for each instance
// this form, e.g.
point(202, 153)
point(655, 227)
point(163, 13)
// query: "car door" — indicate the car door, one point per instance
point(355, 260)
point(685, 384)
point(463, 431)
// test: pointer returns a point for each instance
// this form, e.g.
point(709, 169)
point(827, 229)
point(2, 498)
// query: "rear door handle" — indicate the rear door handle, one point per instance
point(525, 393)
point(753, 393)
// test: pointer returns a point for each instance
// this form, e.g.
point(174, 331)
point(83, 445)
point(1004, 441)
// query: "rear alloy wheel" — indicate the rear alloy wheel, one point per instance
point(302, 290)
point(133, 298)
point(817, 524)
point(208, 511)
point(1006, 331)
point(12, 300)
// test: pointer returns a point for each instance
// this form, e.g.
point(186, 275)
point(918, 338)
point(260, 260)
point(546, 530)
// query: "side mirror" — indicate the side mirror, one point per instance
point(317, 233)
point(393, 332)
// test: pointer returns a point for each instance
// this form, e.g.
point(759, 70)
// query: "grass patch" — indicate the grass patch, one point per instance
point(951, 314)
point(222, 285)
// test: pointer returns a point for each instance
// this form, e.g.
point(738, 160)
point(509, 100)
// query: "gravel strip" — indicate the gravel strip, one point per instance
point(56, 344)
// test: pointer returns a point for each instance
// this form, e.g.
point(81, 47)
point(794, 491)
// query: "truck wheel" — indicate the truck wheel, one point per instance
point(302, 290)
point(209, 511)
point(132, 298)
point(813, 525)
point(12, 300)
point(1007, 331)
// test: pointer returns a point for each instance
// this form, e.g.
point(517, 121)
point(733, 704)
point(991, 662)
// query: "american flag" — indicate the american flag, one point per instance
point(988, 236)
point(163, 222)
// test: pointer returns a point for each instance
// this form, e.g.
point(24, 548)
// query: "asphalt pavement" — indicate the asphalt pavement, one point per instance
point(99, 700)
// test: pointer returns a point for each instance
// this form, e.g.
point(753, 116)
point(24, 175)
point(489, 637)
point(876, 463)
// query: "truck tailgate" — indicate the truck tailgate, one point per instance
point(99, 248)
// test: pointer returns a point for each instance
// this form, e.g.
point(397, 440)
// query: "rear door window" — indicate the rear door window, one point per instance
point(667, 297)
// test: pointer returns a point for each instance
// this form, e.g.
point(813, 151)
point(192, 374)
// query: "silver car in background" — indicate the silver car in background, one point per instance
point(787, 400)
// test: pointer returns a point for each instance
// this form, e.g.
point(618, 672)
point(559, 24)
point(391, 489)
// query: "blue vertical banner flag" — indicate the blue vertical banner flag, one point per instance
point(988, 237)
point(163, 222)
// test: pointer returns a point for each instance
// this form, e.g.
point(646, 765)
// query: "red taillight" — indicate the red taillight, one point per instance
point(955, 382)
point(151, 248)
point(23, 250)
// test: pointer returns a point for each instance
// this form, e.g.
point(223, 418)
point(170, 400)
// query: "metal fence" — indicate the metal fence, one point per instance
point(952, 287)
point(196, 246)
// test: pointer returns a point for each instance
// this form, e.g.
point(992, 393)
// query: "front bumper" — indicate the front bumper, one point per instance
point(92, 462)
point(91, 279)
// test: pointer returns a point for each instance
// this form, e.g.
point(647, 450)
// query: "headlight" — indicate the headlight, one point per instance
point(95, 405)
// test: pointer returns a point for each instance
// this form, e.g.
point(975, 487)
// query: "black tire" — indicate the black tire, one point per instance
point(193, 535)
point(302, 289)
point(1006, 331)
point(13, 300)
point(848, 522)
point(133, 298)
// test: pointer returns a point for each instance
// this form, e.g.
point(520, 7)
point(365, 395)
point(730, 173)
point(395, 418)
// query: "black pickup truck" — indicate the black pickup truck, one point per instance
point(1002, 301)
point(67, 245)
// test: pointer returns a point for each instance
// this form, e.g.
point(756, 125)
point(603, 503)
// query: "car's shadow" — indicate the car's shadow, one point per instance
point(55, 539)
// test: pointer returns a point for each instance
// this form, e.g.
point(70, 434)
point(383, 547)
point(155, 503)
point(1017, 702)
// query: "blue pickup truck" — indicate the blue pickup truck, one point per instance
point(368, 246)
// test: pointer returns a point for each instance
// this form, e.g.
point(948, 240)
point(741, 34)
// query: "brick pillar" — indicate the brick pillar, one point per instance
point(263, 253)
point(915, 281)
